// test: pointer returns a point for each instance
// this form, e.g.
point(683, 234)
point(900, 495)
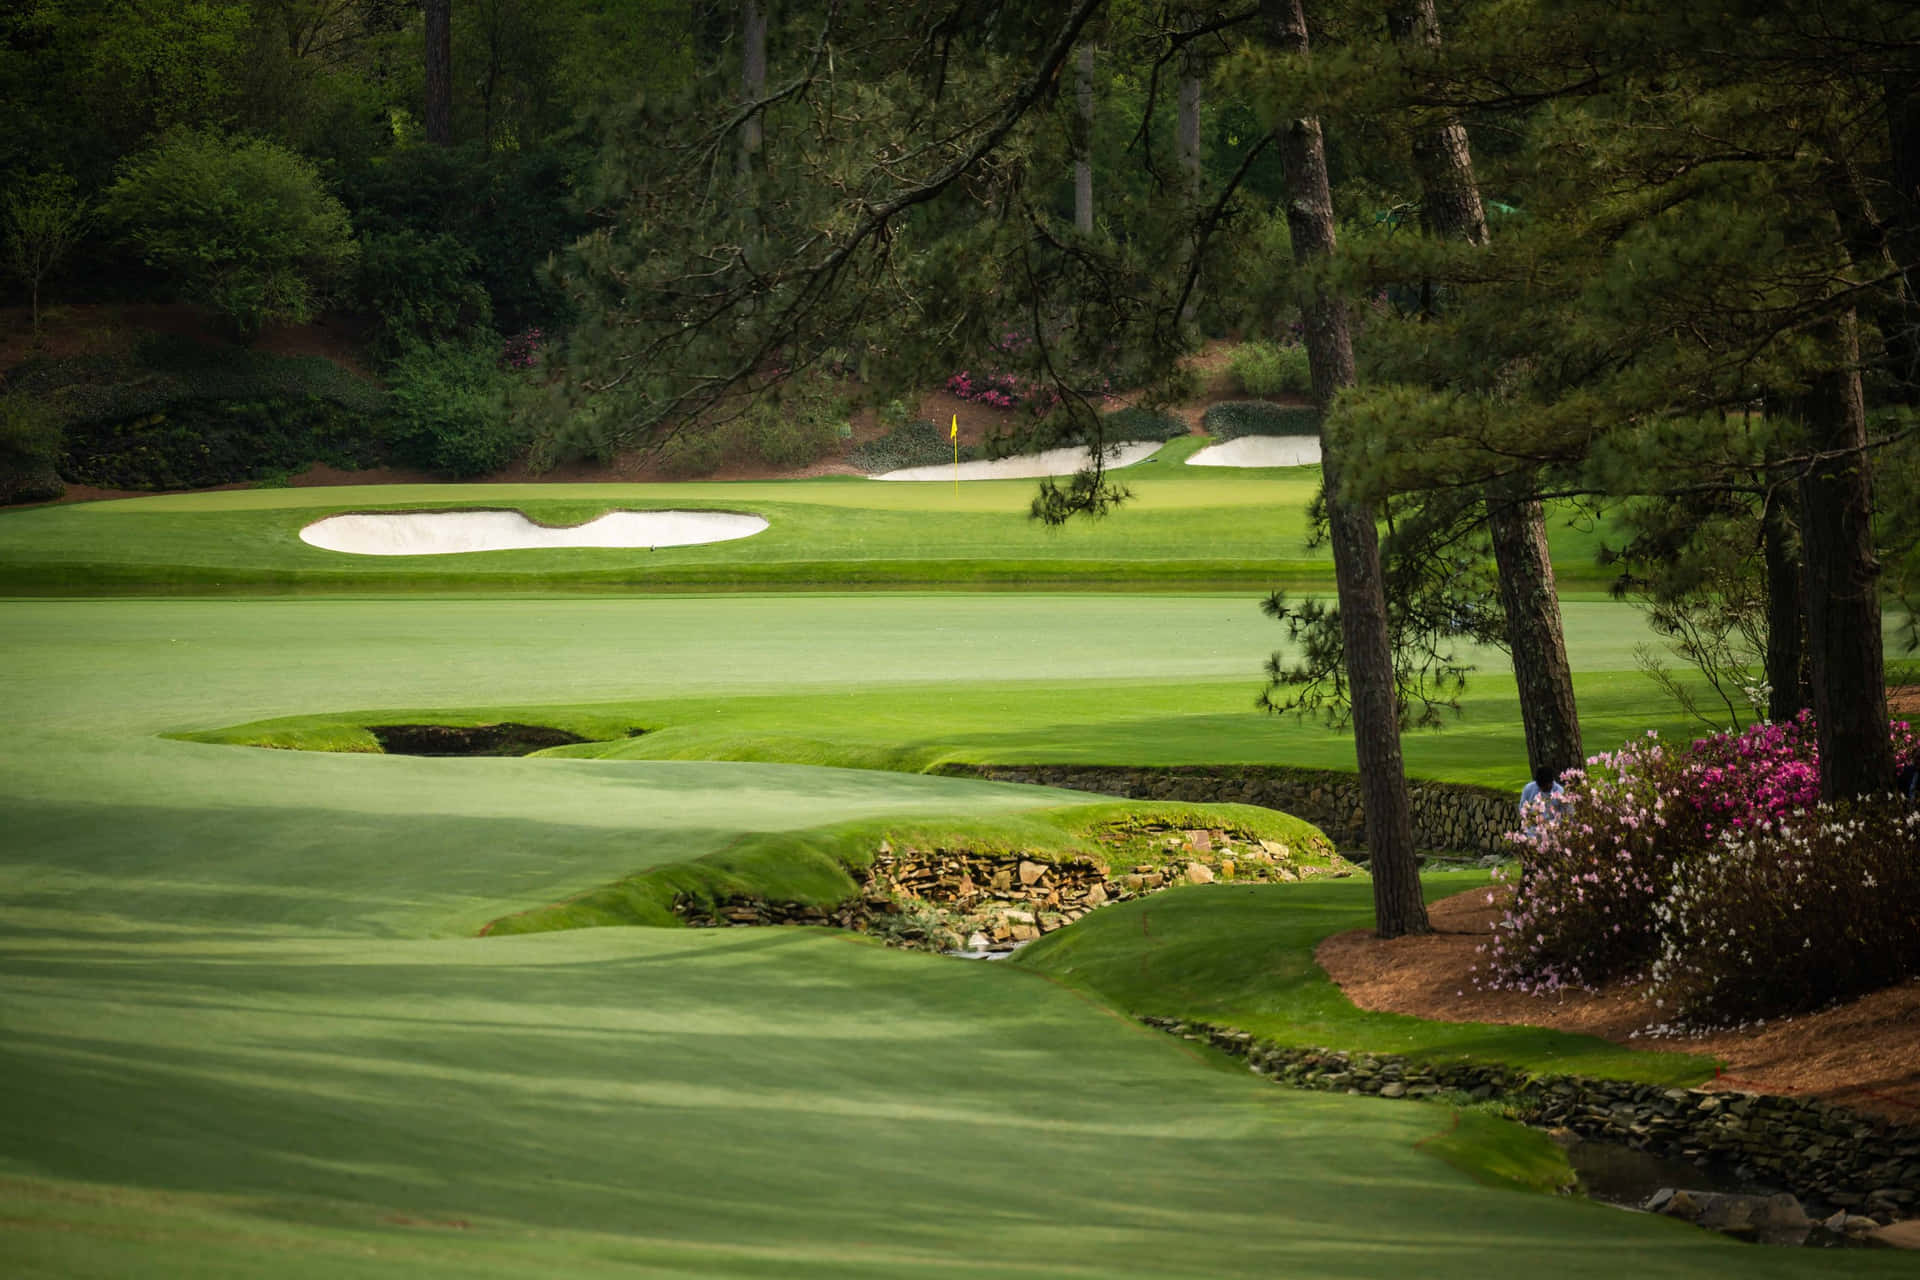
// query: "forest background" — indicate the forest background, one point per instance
point(1656, 262)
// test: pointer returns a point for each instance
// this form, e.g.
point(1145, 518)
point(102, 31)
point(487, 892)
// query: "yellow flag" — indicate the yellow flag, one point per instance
point(954, 432)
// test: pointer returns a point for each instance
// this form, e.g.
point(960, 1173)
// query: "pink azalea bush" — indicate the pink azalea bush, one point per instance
point(1598, 868)
point(1581, 910)
point(1002, 390)
point(522, 350)
point(999, 390)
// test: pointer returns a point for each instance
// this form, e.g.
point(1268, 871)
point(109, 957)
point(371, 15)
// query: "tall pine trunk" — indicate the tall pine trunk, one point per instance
point(438, 115)
point(1541, 671)
point(1187, 146)
point(753, 82)
point(1398, 907)
point(1451, 207)
point(1083, 141)
point(1843, 582)
point(1786, 610)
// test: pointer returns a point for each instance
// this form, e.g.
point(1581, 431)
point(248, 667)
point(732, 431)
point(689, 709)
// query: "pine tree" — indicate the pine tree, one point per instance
point(1398, 907)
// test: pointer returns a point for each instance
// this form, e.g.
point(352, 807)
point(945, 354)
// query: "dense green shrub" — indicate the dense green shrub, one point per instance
point(800, 423)
point(130, 421)
point(1786, 919)
point(1268, 368)
point(195, 444)
point(242, 225)
point(921, 443)
point(417, 289)
point(165, 370)
point(1137, 423)
point(452, 408)
point(29, 451)
point(1231, 419)
point(42, 217)
point(513, 210)
point(692, 452)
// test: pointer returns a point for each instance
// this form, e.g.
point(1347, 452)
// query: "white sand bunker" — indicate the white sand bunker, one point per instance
point(1027, 466)
point(444, 533)
point(1260, 451)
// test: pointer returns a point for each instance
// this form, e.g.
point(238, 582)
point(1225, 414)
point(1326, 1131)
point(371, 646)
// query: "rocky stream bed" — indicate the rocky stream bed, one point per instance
point(955, 900)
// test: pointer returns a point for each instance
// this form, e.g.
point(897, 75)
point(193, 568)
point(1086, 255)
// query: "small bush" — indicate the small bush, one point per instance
point(242, 225)
point(804, 422)
point(195, 444)
point(1591, 872)
point(693, 453)
point(1137, 423)
point(1594, 874)
point(1268, 369)
point(993, 388)
point(516, 207)
point(30, 446)
point(801, 422)
point(452, 409)
point(1231, 419)
point(917, 444)
point(1791, 916)
point(418, 289)
point(179, 414)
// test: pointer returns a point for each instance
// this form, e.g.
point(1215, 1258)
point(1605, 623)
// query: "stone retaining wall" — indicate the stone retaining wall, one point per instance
point(958, 900)
point(1446, 816)
point(1822, 1153)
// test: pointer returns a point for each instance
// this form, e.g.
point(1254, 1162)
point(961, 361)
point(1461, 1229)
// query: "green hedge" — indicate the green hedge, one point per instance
point(1137, 423)
point(29, 451)
point(1230, 419)
point(1267, 368)
point(197, 444)
point(917, 444)
point(180, 414)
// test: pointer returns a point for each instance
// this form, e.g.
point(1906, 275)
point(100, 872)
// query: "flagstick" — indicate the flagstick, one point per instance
point(954, 435)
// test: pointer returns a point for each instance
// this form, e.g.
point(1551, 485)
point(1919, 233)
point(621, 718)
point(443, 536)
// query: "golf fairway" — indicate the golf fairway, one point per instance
point(247, 1029)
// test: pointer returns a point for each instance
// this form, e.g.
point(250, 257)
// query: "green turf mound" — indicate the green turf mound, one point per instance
point(930, 882)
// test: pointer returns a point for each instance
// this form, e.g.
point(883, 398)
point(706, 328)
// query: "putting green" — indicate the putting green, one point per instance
point(244, 1032)
point(1188, 528)
point(895, 681)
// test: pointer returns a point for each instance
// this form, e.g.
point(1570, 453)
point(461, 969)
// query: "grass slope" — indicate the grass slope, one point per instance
point(899, 682)
point(243, 1034)
point(1242, 955)
point(820, 866)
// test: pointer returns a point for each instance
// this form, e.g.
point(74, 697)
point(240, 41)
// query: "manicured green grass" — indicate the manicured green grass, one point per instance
point(1188, 528)
point(1242, 955)
point(248, 1029)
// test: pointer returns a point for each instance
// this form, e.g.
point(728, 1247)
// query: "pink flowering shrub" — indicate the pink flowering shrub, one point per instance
point(1738, 779)
point(1791, 914)
point(522, 350)
point(1596, 871)
point(999, 390)
point(1591, 870)
point(1003, 390)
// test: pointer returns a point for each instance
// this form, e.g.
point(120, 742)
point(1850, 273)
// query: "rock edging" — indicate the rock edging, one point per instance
point(1822, 1153)
point(956, 899)
point(1445, 815)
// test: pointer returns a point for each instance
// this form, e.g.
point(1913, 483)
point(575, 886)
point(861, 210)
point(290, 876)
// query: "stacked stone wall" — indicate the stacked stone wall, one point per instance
point(1825, 1154)
point(1446, 816)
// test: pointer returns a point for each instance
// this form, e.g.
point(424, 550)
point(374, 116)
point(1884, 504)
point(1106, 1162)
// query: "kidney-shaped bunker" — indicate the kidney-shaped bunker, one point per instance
point(440, 533)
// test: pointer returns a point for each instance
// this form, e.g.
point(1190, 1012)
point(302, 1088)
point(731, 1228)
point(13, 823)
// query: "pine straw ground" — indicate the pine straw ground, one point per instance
point(1864, 1054)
